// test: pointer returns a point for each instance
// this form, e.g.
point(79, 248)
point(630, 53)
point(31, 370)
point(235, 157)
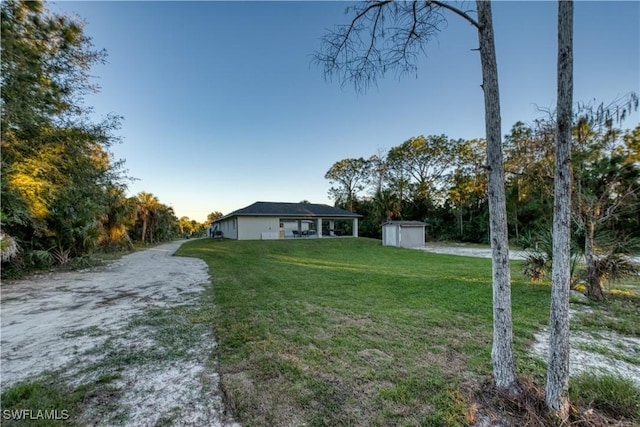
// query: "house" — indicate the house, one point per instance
point(273, 220)
point(406, 234)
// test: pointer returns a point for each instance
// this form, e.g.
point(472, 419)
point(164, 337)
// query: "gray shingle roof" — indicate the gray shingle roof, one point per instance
point(299, 210)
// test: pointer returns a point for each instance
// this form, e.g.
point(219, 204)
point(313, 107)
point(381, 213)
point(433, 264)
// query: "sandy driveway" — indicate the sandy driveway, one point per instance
point(466, 250)
point(73, 321)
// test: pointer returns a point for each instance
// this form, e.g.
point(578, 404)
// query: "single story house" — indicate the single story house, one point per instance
point(405, 234)
point(274, 220)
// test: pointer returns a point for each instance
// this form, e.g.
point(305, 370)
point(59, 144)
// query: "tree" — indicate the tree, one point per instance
point(631, 140)
point(148, 207)
point(213, 216)
point(607, 182)
point(56, 166)
point(399, 180)
point(418, 170)
point(529, 172)
point(164, 224)
point(46, 59)
point(558, 363)
point(186, 227)
point(427, 160)
point(378, 171)
point(468, 187)
point(351, 175)
point(117, 220)
point(385, 203)
point(386, 35)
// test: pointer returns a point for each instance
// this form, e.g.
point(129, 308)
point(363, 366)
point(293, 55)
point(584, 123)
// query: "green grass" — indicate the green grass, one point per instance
point(347, 332)
point(610, 394)
point(48, 401)
point(617, 313)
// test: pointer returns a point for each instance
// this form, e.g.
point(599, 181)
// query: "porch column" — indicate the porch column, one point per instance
point(319, 227)
point(332, 228)
point(355, 227)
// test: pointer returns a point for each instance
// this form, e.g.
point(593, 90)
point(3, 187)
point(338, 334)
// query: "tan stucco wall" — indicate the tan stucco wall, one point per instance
point(251, 228)
point(229, 228)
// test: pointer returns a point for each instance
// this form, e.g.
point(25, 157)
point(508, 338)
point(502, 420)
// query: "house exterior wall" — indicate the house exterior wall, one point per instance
point(229, 228)
point(259, 226)
point(252, 227)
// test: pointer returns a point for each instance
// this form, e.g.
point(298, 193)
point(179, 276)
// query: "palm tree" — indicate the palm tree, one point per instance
point(147, 206)
point(120, 215)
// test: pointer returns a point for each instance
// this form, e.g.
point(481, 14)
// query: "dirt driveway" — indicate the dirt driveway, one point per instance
point(78, 322)
point(466, 250)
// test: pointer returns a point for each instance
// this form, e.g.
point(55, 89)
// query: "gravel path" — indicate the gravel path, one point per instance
point(57, 321)
point(468, 251)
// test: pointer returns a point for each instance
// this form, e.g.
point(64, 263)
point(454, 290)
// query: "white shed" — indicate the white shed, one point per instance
point(405, 234)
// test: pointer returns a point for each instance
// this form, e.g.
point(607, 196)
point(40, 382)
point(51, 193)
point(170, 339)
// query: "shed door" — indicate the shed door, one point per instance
point(392, 238)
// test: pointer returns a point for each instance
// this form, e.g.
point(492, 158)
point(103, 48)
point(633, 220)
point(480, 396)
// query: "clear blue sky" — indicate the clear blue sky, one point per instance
point(223, 105)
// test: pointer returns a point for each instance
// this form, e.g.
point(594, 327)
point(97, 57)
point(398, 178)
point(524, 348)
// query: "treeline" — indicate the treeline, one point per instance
point(63, 194)
point(443, 182)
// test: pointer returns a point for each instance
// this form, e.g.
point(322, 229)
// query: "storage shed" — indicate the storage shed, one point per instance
point(405, 234)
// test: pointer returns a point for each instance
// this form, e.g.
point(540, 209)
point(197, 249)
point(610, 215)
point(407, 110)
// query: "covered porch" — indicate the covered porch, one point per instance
point(294, 228)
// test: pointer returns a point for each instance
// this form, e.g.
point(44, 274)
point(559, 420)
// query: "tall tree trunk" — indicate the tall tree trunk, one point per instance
point(460, 219)
point(144, 227)
point(594, 290)
point(502, 351)
point(558, 366)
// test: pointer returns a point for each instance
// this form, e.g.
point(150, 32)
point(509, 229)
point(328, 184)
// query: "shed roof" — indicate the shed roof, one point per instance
point(296, 210)
point(406, 223)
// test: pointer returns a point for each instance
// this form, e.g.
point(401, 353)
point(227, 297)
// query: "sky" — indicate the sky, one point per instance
point(224, 106)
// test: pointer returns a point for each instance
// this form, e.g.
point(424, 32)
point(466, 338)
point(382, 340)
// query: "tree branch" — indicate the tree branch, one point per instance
point(382, 35)
point(457, 11)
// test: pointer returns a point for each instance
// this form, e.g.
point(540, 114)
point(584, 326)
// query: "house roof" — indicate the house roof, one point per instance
point(406, 223)
point(295, 210)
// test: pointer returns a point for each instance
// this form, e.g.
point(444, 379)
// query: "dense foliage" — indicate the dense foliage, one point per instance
point(443, 182)
point(63, 194)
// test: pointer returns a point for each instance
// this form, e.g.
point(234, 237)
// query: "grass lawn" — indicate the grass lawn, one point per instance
point(348, 332)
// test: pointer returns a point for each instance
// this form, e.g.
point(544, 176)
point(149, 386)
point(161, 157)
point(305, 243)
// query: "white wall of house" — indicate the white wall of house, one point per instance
point(267, 228)
point(229, 228)
point(253, 227)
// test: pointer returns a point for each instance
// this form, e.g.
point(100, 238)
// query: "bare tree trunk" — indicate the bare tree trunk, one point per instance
point(558, 367)
point(502, 352)
point(144, 228)
point(594, 290)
